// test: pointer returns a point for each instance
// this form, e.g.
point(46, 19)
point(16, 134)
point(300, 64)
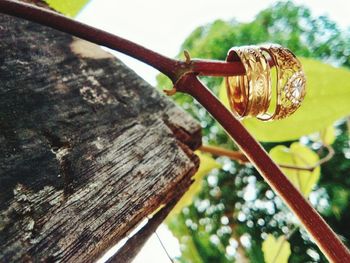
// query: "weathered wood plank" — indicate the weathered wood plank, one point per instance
point(87, 148)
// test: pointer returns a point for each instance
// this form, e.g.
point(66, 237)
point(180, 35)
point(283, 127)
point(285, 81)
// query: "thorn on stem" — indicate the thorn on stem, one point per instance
point(187, 56)
point(170, 92)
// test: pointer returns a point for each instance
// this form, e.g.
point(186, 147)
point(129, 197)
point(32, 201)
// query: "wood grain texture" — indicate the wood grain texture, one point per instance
point(87, 148)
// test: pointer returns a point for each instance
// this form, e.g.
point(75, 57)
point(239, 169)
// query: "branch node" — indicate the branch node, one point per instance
point(187, 56)
point(170, 92)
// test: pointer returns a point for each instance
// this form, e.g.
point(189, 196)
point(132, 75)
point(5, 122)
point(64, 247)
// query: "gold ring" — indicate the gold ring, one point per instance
point(290, 83)
point(250, 94)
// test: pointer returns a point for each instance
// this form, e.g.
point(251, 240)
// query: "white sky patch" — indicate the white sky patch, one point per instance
point(153, 251)
point(163, 25)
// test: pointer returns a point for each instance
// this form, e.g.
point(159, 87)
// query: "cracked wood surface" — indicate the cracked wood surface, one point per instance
point(87, 148)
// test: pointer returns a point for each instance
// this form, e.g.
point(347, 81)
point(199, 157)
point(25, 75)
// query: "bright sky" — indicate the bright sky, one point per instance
point(163, 25)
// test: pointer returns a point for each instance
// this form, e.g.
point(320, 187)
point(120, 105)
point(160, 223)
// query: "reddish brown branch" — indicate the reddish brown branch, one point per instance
point(323, 235)
point(217, 68)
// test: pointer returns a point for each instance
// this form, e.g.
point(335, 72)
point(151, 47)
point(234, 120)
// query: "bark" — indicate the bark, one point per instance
point(87, 148)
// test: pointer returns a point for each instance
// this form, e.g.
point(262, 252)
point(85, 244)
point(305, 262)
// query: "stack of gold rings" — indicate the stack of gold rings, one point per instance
point(252, 94)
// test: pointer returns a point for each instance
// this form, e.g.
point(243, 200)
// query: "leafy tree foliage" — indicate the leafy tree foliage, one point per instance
point(236, 211)
point(69, 8)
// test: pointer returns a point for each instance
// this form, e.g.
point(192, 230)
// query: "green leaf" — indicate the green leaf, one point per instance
point(67, 7)
point(207, 163)
point(327, 135)
point(223, 95)
point(186, 238)
point(340, 200)
point(276, 250)
point(327, 100)
point(301, 156)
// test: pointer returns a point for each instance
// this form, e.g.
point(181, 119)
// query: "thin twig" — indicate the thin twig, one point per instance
point(164, 248)
point(219, 151)
point(240, 157)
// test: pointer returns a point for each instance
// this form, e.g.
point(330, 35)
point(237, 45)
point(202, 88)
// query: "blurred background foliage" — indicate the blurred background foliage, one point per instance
point(234, 211)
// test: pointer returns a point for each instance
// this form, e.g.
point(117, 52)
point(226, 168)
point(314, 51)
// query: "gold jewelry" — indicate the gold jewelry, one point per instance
point(290, 84)
point(250, 94)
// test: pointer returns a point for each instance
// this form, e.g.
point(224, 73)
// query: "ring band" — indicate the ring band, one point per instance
point(250, 94)
point(290, 84)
